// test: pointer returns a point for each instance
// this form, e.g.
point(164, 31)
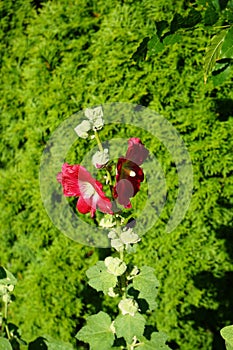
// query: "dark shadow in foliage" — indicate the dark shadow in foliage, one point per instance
point(2, 273)
point(38, 4)
point(38, 344)
point(226, 233)
point(224, 109)
point(146, 99)
point(142, 303)
point(209, 319)
point(223, 4)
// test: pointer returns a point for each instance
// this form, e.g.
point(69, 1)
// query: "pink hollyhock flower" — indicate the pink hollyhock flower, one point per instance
point(129, 174)
point(78, 182)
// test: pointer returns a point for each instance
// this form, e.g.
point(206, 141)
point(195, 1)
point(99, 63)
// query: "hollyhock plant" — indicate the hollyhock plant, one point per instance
point(129, 174)
point(78, 182)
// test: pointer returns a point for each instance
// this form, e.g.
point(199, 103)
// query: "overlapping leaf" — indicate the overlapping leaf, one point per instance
point(97, 332)
point(100, 279)
point(5, 344)
point(147, 285)
point(157, 342)
point(128, 326)
point(227, 334)
point(213, 53)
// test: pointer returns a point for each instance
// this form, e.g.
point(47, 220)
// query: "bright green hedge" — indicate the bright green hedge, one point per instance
point(59, 57)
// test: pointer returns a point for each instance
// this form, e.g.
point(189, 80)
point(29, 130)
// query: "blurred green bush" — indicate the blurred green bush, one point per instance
point(58, 57)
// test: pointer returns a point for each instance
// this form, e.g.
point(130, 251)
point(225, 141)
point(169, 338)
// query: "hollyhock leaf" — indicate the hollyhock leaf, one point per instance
point(5, 344)
point(157, 342)
point(6, 277)
point(117, 244)
point(100, 158)
point(98, 332)
point(129, 237)
point(82, 129)
point(128, 326)
point(115, 266)
point(95, 117)
point(100, 279)
point(147, 285)
point(227, 334)
point(94, 113)
point(128, 306)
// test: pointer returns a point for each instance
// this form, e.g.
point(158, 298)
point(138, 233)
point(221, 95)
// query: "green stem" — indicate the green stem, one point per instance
point(102, 150)
point(5, 319)
point(98, 141)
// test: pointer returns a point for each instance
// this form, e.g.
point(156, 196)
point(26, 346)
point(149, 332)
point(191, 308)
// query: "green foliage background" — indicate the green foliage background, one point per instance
point(58, 57)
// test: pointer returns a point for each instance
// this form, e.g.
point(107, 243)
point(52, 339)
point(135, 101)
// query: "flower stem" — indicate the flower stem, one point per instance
point(5, 321)
point(102, 150)
point(98, 141)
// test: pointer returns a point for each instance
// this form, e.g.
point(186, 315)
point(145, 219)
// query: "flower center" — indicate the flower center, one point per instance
point(86, 189)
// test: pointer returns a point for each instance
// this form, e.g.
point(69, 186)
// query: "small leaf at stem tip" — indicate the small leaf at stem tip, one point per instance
point(100, 158)
point(82, 129)
point(115, 266)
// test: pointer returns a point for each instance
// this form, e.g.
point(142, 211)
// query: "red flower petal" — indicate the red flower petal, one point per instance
point(82, 206)
point(129, 174)
point(68, 178)
point(77, 181)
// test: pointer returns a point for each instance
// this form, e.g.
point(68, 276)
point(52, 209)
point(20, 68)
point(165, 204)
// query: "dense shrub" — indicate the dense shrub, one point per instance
point(60, 57)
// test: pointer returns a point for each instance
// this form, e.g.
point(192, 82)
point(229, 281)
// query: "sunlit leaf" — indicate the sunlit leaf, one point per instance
point(128, 326)
point(171, 39)
point(213, 53)
point(5, 344)
point(97, 332)
point(227, 334)
point(6, 277)
point(227, 46)
point(157, 342)
point(147, 285)
point(155, 45)
point(100, 279)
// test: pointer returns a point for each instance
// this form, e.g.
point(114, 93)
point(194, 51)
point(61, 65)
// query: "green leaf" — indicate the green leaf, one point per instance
point(157, 342)
point(5, 344)
point(128, 326)
point(213, 53)
point(97, 332)
point(227, 46)
point(227, 334)
point(100, 279)
point(147, 284)
point(6, 277)
point(155, 45)
point(171, 39)
point(221, 72)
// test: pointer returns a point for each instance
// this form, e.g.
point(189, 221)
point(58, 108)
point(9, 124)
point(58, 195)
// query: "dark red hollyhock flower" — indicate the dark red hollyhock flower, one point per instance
point(129, 174)
point(78, 182)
